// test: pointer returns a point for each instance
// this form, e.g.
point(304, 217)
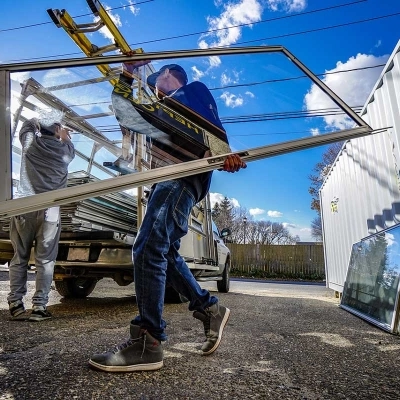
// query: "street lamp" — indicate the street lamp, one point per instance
point(244, 229)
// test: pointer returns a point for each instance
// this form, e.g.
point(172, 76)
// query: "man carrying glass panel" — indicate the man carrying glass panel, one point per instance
point(156, 257)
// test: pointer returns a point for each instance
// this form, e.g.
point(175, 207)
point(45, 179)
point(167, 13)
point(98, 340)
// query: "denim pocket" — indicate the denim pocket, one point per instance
point(182, 209)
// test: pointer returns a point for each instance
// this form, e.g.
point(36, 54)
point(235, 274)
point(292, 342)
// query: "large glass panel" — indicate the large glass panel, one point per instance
point(274, 108)
point(120, 128)
point(371, 287)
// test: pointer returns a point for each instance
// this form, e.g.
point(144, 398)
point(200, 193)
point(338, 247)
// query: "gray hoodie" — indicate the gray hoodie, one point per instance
point(44, 161)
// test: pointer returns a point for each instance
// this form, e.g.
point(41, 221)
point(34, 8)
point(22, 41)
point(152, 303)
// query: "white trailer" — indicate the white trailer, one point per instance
point(361, 193)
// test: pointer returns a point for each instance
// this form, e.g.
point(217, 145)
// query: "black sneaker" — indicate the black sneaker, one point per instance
point(214, 319)
point(141, 352)
point(39, 313)
point(16, 308)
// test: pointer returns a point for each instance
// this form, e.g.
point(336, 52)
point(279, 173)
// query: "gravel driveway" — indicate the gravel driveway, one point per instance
point(283, 341)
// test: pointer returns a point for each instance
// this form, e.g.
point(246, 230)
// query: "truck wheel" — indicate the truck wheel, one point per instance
point(77, 288)
point(173, 297)
point(223, 284)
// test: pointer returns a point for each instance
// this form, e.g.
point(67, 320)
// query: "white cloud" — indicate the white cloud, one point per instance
point(214, 61)
point(288, 225)
point(26, 112)
point(231, 78)
point(20, 76)
point(274, 214)
point(225, 79)
point(223, 29)
point(218, 197)
point(197, 74)
point(234, 202)
point(202, 44)
point(90, 96)
point(133, 8)
point(232, 100)
point(256, 211)
point(353, 87)
point(242, 12)
point(287, 5)
point(57, 76)
point(304, 233)
point(315, 132)
point(114, 17)
point(390, 239)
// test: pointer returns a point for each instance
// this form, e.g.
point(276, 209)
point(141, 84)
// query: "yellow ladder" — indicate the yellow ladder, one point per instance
point(77, 32)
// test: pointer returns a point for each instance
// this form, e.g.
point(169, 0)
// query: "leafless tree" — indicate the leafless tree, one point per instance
point(245, 230)
point(320, 171)
point(316, 228)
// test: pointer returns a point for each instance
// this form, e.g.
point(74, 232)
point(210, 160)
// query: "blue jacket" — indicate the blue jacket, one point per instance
point(197, 96)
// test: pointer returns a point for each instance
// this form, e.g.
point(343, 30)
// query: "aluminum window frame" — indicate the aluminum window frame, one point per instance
point(10, 207)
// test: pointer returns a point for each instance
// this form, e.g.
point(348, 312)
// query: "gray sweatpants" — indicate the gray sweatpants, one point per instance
point(41, 228)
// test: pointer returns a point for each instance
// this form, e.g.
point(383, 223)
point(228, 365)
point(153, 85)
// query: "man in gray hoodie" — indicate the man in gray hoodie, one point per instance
point(47, 151)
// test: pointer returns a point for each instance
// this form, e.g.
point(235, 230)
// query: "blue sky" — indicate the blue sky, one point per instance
point(355, 36)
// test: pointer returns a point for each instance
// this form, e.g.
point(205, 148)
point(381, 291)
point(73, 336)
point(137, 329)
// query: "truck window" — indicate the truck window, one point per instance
point(215, 229)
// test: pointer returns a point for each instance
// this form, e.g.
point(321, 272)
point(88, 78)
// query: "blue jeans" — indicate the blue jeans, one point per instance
point(156, 258)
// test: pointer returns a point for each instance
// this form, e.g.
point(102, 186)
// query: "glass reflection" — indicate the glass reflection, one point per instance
point(372, 280)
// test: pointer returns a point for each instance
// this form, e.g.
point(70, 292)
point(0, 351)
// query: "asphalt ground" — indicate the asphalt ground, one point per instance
point(282, 341)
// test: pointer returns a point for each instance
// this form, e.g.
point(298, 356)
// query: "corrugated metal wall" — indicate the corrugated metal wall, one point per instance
point(361, 194)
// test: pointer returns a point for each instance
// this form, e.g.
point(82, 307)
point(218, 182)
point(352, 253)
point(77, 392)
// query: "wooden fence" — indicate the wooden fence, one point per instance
point(291, 261)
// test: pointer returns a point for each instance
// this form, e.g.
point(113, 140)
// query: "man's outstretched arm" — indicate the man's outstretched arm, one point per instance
point(130, 67)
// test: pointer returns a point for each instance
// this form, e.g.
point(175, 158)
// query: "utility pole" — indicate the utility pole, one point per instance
point(244, 229)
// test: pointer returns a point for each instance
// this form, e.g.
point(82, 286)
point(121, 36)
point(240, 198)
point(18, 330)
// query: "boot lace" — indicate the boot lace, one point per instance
point(130, 342)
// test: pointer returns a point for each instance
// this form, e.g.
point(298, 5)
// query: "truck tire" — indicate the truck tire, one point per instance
point(223, 284)
point(77, 288)
point(173, 297)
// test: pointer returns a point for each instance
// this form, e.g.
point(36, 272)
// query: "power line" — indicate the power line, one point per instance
point(258, 83)
point(89, 104)
point(269, 133)
point(275, 116)
point(76, 16)
point(323, 112)
point(294, 78)
point(214, 30)
point(252, 23)
point(319, 29)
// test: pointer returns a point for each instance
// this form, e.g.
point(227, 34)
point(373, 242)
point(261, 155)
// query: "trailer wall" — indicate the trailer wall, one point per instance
point(361, 193)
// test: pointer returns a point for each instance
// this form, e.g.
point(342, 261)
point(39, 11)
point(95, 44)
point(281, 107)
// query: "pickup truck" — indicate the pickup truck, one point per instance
point(86, 257)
